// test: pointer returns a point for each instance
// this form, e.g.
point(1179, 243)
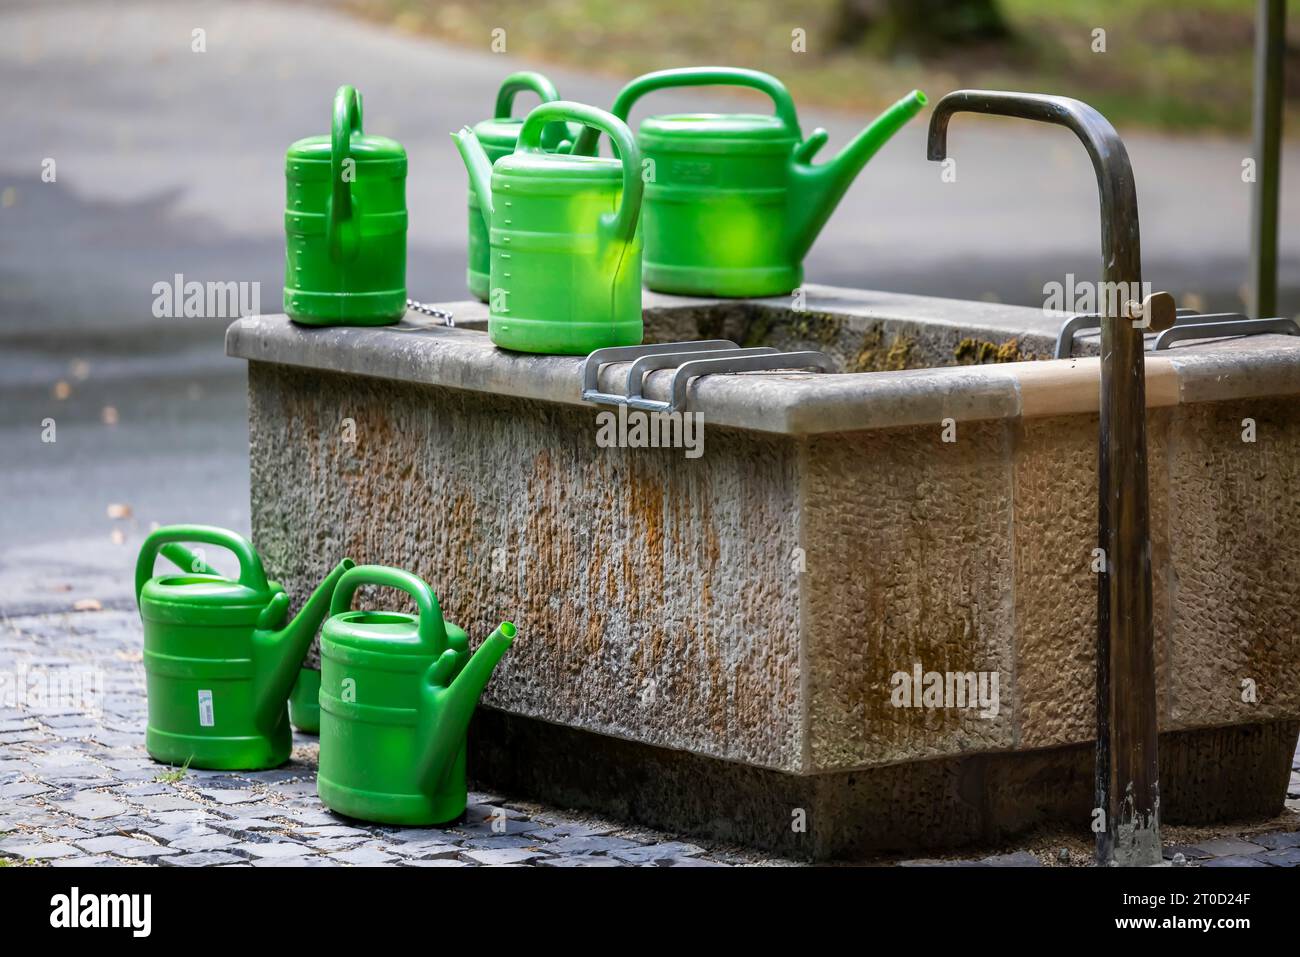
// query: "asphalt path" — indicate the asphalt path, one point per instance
point(169, 161)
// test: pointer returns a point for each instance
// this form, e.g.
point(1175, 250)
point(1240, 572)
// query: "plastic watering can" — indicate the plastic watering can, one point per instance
point(345, 224)
point(498, 137)
point(733, 201)
point(397, 694)
point(565, 260)
point(219, 657)
point(304, 701)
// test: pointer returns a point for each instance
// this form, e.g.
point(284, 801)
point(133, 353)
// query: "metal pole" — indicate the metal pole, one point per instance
point(1128, 770)
point(1127, 782)
point(1270, 47)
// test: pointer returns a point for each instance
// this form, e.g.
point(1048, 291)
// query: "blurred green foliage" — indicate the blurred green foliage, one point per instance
point(1171, 64)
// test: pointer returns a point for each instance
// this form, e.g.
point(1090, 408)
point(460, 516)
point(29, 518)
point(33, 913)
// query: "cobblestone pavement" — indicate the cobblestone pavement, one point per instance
point(77, 788)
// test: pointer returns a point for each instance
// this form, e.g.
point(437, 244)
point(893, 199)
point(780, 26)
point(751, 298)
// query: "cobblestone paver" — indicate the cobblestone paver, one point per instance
point(77, 788)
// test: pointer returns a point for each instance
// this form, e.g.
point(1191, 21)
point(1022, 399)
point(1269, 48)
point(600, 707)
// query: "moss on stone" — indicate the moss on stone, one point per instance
point(972, 351)
point(875, 355)
point(818, 328)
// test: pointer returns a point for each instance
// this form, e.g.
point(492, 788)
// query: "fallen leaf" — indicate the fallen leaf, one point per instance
point(87, 604)
point(119, 510)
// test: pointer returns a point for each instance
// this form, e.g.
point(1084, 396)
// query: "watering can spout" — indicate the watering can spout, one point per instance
point(278, 653)
point(817, 190)
point(186, 560)
point(448, 706)
point(479, 168)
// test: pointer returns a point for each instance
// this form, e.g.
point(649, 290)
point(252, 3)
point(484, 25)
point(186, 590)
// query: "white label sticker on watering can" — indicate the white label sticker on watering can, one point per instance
point(205, 709)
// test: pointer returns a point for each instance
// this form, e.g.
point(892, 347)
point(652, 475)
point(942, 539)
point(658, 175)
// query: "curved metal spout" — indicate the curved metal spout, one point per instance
point(1121, 247)
point(1127, 770)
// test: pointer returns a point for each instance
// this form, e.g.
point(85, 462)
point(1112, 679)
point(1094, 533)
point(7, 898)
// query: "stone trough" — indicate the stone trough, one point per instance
point(725, 644)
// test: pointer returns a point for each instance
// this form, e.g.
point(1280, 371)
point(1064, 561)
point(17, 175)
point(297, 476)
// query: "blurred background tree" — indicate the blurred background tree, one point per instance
point(1166, 64)
point(918, 24)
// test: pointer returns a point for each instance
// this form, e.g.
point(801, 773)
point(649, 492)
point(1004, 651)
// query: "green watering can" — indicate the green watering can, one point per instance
point(397, 693)
point(733, 200)
point(219, 659)
point(565, 272)
point(498, 137)
point(304, 701)
point(345, 224)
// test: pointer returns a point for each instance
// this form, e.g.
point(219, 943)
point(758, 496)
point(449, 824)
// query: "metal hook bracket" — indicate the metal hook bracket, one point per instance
point(689, 359)
point(1189, 324)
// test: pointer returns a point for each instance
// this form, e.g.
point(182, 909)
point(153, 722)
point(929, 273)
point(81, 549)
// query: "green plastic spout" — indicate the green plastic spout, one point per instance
point(479, 167)
point(448, 704)
point(815, 191)
point(278, 654)
point(183, 558)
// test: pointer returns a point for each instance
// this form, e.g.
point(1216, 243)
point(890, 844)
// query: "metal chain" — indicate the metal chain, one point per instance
point(445, 315)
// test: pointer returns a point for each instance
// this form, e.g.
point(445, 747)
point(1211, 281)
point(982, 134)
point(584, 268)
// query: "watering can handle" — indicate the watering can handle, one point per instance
point(431, 630)
point(701, 76)
point(526, 80)
point(347, 120)
point(621, 224)
point(251, 573)
point(521, 82)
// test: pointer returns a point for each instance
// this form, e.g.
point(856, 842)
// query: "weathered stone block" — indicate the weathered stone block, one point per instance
point(738, 620)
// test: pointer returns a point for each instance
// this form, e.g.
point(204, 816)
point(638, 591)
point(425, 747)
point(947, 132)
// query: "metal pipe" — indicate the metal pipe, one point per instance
point(1270, 48)
point(1127, 772)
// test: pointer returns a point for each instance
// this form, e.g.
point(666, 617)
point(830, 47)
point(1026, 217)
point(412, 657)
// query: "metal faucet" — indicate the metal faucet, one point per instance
point(1127, 771)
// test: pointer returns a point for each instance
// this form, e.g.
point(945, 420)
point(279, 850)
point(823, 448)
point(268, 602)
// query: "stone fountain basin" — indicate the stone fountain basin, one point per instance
point(711, 644)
